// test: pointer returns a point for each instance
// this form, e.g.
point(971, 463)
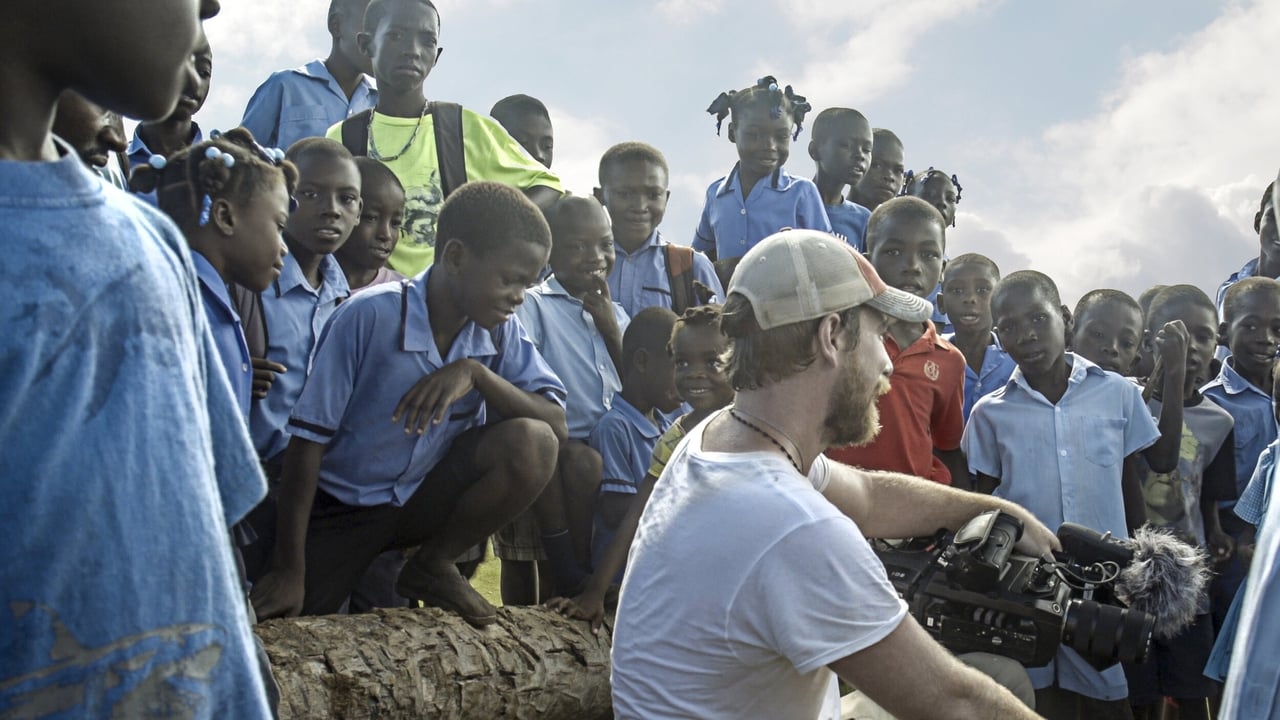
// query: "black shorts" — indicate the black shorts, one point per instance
point(342, 540)
point(1175, 667)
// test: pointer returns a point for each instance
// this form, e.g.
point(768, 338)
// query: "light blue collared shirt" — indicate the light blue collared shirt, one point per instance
point(1255, 421)
point(1253, 684)
point(997, 368)
point(378, 346)
point(625, 438)
point(733, 226)
point(295, 314)
point(228, 335)
point(1063, 463)
point(849, 220)
point(301, 103)
point(639, 279)
point(564, 332)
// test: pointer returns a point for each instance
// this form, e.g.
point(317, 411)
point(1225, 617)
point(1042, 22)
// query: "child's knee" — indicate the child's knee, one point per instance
point(580, 469)
point(525, 447)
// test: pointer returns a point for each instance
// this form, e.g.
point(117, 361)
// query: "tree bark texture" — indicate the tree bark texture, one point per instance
point(428, 663)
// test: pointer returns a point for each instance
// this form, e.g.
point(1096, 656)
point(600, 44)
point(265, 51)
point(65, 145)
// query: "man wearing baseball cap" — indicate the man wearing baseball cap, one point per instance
point(750, 579)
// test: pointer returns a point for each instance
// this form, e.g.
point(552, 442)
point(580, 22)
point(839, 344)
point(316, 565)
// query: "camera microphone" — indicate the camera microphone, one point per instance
point(1158, 574)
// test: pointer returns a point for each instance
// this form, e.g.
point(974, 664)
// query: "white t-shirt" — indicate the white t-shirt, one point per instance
point(743, 583)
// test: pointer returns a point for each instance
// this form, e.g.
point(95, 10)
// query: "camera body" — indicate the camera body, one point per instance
point(973, 593)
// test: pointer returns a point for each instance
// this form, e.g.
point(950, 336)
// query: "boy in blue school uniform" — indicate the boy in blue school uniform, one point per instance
point(577, 328)
point(476, 419)
point(633, 187)
point(1185, 502)
point(758, 197)
point(841, 149)
point(299, 303)
point(967, 284)
point(178, 130)
point(626, 435)
point(1089, 422)
point(1251, 331)
point(306, 101)
point(124, 458)
point(1267, 264)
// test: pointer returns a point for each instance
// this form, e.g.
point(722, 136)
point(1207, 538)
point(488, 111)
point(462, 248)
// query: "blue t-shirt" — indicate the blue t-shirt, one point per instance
point(732, 226)
point(849, 221)
point(301, 103)
point(124, 461)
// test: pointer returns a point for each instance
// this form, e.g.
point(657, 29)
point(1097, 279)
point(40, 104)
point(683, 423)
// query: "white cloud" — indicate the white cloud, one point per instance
point(684, 12)
point(580, 141)
point(861, 49)
point(1159, 186)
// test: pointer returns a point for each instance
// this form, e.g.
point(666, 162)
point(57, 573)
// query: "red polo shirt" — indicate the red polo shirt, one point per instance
point(923, 410)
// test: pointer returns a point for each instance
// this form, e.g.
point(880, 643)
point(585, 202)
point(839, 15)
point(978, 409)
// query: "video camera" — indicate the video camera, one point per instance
point(973, 593)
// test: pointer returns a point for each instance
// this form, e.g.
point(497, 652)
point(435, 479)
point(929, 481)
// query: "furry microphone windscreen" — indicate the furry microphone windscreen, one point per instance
point(1165, 580)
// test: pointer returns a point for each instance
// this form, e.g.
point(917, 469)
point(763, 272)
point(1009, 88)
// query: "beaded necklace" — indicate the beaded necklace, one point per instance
point(373, 146)
point(733, 412)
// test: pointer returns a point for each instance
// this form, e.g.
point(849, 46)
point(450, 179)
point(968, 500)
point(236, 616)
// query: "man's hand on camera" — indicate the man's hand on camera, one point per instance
point(1037, 539)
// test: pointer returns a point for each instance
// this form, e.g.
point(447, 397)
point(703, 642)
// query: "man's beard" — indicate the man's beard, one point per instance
point(852, 416)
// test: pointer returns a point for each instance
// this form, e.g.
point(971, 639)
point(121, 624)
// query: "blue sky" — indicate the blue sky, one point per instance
point(1107, 144)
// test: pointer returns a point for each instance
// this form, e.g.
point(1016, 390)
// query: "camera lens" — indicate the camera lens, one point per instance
point(1106, 634)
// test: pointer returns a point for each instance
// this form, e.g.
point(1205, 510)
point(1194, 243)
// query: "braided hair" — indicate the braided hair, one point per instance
point(913, 183)
point(229, 166)
point(764, 92)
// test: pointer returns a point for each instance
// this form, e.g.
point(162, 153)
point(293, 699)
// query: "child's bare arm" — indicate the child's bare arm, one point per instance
point(1171, 354)
point(281, 591)
point(589, 605)
point(1135, 504)
point(427, 402)
point(957, 466)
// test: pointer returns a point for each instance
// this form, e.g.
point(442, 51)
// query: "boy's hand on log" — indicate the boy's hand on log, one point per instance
point(279, 593)
point(588, 606)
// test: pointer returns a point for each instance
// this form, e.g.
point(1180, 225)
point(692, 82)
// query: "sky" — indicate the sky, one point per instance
point(1107, 144)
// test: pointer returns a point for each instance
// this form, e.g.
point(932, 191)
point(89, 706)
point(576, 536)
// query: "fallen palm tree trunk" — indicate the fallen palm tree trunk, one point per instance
point(427, 663)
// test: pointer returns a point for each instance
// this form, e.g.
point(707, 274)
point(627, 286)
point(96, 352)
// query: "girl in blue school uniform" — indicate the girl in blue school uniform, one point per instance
point(758, 197)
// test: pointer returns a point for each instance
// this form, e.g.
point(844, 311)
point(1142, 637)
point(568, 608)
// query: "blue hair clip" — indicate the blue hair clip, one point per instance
point(157, 162)
point(205, 206)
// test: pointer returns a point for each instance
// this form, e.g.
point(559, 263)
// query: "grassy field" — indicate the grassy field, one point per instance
point(487, 576)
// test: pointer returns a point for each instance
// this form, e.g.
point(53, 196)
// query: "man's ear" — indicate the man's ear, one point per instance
point(828, 338)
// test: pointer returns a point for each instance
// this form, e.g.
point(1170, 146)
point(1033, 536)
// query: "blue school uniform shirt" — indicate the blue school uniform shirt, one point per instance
point(140, 154)
point(228, 335)
point(997, 368)
point(849, 220)
point(1255, 423)
point(732, 226)
point(1253, 684)
point(639, 279)
point(302, 102)
point(566, 336)
point(295, 314)
point(625, 438)
point(1063, 463)
point(377, 347)
point(123, 464)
